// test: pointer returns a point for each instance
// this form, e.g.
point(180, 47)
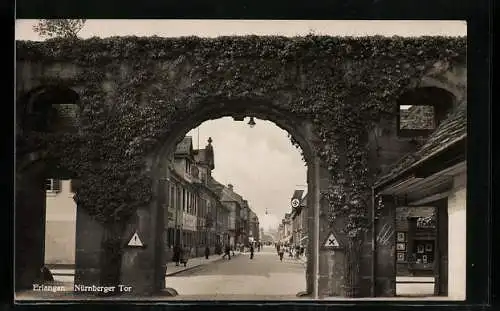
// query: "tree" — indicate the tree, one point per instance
point(63, 28)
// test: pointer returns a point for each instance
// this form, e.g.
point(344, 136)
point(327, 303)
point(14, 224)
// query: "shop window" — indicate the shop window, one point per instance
point(423, 252)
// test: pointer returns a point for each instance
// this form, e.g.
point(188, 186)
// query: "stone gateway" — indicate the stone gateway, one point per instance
point(105, 112)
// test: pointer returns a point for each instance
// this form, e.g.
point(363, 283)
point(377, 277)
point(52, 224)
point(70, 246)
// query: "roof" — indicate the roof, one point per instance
point(452, 130)
point(216, 186)
point(229, 195)
point(185, 146)
point(297, 194)
point(200, 155)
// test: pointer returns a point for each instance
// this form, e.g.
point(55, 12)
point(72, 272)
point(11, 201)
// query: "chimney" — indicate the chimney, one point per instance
point(230, 186)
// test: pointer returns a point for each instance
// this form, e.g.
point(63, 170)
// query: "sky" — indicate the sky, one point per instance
point(260, 162)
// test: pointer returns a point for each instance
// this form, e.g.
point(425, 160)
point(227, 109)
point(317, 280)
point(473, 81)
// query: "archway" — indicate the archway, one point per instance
point(344, 86)
point(150, 220)
point(248, 174)
point(49, 111)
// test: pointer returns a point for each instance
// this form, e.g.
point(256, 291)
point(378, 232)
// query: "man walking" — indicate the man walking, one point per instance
point(281, 252)
point(227, 252)
point(177, 254)
point(207, 252)
point(251, 251)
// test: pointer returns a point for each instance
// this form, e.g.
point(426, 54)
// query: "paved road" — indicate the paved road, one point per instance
point(242, 278)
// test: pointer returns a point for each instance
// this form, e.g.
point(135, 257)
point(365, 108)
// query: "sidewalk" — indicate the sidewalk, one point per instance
point(65, 274)
point(172, 269)
point(302, 259)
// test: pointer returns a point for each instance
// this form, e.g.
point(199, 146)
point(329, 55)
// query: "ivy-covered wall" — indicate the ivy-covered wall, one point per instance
point(134, 91)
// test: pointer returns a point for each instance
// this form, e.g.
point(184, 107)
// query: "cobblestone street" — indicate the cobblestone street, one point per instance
point(262, 276)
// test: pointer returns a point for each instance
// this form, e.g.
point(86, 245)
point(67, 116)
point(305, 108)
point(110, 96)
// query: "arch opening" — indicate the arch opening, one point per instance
point(300, 131)
point(49, 110)
point(421, 110)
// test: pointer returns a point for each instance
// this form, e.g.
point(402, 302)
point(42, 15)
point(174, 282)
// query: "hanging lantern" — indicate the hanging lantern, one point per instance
point(251, 123)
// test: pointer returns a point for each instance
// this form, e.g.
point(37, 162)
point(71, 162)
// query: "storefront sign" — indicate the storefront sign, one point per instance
point(189, 222)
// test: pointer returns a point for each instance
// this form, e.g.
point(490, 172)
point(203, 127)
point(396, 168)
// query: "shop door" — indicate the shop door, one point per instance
point(441, 267)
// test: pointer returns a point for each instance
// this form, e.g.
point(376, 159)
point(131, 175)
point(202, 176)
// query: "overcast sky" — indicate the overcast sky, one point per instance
point(260, 162)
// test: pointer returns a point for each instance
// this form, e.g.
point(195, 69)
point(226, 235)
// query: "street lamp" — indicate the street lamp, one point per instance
point(251, 122)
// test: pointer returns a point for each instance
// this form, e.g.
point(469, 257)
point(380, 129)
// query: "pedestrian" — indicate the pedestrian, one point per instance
point(207, 252)
point(281, 252)
point(227, 253)
point(185, 256)
point(177, 254)
point(251, 251)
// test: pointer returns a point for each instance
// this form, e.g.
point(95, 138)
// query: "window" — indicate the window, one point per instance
point(172, 193)
point(423, 251)
point(52, 185)
point(171, 237)
point(416, 117)
point(184, 200)
point(422, 109)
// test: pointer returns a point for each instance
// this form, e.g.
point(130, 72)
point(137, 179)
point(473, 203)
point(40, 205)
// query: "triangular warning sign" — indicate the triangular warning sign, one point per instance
point(331, 241)
point(135, 241)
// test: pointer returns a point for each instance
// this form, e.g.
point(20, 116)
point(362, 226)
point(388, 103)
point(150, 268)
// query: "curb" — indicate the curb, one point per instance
point(166, 274)
point(195, 266)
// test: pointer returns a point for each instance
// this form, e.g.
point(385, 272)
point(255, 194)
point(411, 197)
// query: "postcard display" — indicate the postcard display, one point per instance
point(415, 247)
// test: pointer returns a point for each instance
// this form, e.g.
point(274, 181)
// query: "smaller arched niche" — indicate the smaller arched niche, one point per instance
point(48, 109)
point(421, 110)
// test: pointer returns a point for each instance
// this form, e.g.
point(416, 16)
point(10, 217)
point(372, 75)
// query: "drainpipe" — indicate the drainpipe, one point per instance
point(372, 289)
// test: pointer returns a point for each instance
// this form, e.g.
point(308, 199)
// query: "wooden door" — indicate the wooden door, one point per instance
point(441, 250)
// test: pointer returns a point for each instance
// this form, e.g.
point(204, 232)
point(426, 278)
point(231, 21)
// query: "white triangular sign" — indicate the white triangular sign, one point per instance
point(331, 241)
point(135, 240)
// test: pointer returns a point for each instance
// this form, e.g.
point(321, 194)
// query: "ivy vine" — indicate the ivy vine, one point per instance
point(343, 84)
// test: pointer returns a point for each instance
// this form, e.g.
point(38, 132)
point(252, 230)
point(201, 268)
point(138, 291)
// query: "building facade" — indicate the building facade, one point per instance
point(60, 223)
point(428, 190)
point(234, 203)
point(254, 226)
point(281, 231)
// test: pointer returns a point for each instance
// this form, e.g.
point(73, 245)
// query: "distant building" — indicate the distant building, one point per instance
point(299, 218)
point(281, 231)
point(196, 217)
point(254, 232)
point(60, 223)
point(234, 203)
